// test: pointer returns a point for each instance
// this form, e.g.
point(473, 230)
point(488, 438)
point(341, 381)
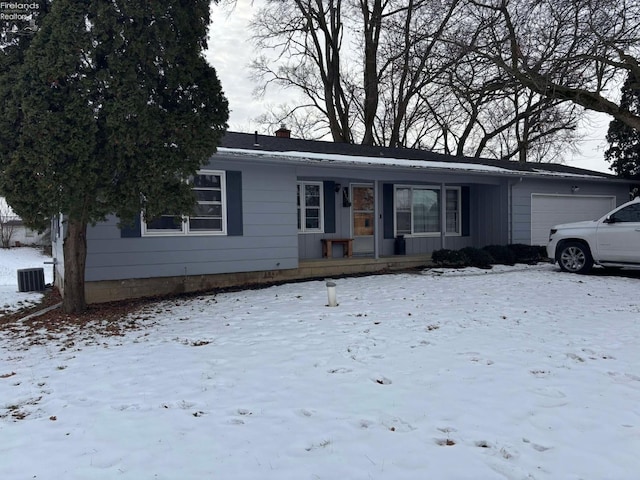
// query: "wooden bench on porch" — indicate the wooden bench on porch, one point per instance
point(327, 246)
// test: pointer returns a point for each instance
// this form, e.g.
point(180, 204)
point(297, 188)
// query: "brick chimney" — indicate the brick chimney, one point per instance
point(283, 132)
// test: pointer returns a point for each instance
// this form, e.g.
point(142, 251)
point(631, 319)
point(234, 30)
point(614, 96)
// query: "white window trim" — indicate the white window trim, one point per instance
point(160, 233)
point(185, 220)
point(303, 229)
point(443, 221)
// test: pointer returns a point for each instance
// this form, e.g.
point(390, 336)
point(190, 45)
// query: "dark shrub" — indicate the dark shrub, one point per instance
point(488, 255)
point(449, 258)
point(502, 254)
point(529, 254)
point(478, 257)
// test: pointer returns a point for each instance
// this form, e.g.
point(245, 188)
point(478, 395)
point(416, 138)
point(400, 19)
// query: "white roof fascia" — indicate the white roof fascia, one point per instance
point(361, 161)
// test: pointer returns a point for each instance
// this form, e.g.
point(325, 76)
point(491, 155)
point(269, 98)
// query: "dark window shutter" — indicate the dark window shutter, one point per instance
point(329, 206)
point(387, 209)
point(133, 230)
point(466, 211)
point(234, 203)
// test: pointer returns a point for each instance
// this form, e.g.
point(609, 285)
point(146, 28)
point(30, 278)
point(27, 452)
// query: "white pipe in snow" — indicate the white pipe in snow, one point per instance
point(331, 293)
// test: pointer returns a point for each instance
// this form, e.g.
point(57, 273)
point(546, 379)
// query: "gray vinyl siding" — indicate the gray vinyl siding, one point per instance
point(521, 199)
point(269, 240)
point(499, 212)
point(489, 214)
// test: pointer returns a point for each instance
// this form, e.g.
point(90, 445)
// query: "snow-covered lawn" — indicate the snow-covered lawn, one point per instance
point(12, 259)
point(520, 373)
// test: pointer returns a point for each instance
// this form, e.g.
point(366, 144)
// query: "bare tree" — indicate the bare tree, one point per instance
point(414, 59)
point(372, 15)
point(8, 222)
point(302, 121)
point(480, 112)
point(307, 36)
point(507, 122)
point(345, 72)
point(574, 50)
point(394, 72)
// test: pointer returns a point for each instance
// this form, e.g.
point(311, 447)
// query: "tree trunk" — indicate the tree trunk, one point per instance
point(372, 25)
point(75, 258)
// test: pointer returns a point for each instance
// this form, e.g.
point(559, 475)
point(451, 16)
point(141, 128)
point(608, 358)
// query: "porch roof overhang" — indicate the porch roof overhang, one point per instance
point(505, 169)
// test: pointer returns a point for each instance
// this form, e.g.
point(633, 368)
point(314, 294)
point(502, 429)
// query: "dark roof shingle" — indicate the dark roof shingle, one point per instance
point(248, 141)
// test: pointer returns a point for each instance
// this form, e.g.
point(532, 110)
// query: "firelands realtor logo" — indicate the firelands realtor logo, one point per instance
point(19, 16)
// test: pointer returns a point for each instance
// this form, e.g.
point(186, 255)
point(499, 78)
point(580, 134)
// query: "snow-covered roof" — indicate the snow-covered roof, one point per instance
point(6, 212)
point(311, 157)
point(317, 152)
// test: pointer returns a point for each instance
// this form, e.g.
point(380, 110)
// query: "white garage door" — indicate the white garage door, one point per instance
point(550, 210)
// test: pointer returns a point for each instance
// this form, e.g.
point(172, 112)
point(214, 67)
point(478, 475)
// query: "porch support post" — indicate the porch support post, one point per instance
point(443, 215)
point(377, 220)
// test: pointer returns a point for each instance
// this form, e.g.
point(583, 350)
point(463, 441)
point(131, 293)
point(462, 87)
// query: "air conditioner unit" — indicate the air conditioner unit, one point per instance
point(31, 280)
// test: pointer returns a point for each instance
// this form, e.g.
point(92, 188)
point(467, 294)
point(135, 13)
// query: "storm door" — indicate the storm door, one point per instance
point(362, 208)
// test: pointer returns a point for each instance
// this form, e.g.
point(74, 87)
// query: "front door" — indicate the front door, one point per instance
point(363, 219)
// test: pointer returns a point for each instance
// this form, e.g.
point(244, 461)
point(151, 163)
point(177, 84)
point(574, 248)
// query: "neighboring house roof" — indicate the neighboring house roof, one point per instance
point(311, 151)
point(7, 214)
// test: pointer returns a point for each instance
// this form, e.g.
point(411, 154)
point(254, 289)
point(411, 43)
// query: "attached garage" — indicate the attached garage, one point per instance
point(548, 210)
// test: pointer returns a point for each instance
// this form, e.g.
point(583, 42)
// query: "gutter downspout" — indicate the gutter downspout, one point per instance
point(510, 207)
point(377, 220)
point(443, 215)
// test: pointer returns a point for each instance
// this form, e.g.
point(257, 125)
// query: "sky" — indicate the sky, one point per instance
point(230, 52)
point(448, 374)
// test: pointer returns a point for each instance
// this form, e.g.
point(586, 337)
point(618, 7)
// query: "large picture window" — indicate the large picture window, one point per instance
point(208, 217)
point(417, 210)
point(310, 203)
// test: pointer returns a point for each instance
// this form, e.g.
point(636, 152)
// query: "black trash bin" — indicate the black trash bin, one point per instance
point(400, 247)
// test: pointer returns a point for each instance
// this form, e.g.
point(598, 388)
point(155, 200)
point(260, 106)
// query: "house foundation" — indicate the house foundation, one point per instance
point(114, 290)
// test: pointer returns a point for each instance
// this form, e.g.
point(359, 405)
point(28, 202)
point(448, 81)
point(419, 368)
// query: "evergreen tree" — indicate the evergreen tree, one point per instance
point(117, 107)
point(624, 141)
point(14, 43)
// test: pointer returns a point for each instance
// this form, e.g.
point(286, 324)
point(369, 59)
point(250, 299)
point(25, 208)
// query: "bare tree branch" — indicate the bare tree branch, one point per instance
point(574, 50)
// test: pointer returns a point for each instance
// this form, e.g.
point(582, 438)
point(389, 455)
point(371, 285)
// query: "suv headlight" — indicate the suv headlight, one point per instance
point(552, 232)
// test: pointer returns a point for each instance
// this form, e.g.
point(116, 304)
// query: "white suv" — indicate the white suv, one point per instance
point(612, 241)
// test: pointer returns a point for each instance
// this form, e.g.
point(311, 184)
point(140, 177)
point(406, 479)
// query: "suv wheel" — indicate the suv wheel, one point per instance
point(575, 257)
